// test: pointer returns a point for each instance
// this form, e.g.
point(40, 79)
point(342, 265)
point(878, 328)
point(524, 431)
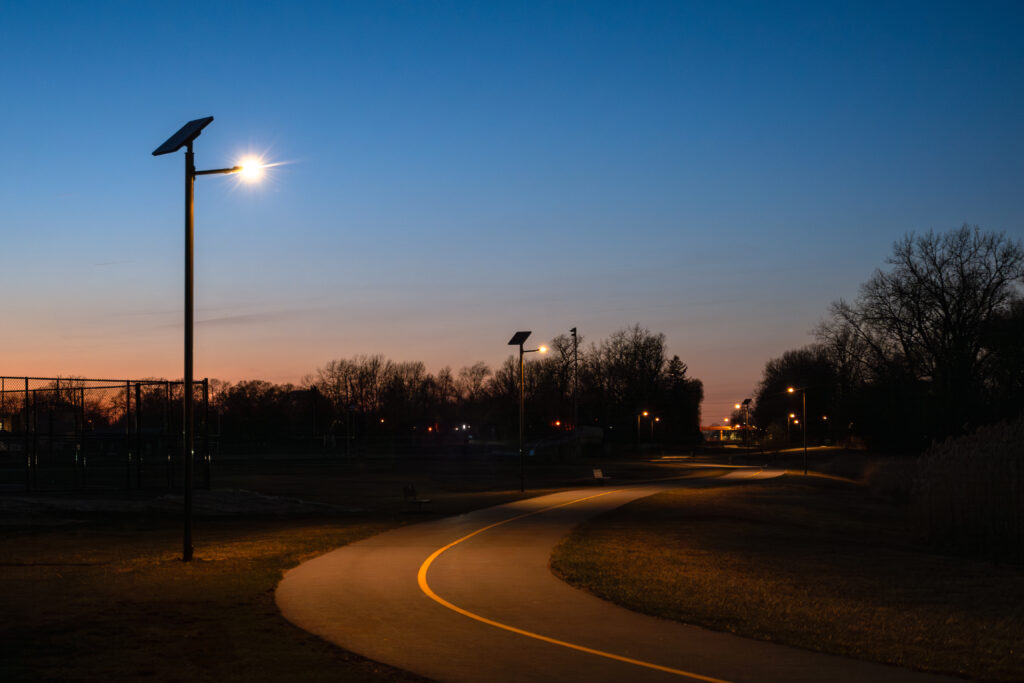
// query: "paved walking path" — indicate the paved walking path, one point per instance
point(471, 598)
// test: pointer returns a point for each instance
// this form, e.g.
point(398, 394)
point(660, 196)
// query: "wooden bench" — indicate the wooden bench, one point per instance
point(599, 475)
point(409, 493)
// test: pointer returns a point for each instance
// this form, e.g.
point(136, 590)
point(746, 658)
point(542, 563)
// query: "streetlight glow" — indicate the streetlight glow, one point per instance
point(251, 169)
point(542, 349)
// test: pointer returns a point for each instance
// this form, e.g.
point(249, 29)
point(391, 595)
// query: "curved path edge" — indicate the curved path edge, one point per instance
point(471, 598)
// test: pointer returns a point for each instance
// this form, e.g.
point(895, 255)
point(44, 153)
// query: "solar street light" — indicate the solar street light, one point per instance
point(518, 339)
point(185, 136)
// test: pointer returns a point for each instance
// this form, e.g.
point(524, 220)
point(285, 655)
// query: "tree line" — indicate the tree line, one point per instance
point(930, 348)
point(624, 389)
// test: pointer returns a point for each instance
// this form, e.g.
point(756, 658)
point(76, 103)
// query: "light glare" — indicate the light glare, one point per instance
point(252, 168)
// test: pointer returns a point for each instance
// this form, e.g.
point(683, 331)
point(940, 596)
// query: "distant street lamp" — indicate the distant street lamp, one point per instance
point(803, 399)
point(642, 413)
point(518, 339)
point(251, 171)
point(745, 405)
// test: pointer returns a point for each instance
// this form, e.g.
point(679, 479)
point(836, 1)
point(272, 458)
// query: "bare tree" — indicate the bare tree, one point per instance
point(471, 384)
point(924, 320)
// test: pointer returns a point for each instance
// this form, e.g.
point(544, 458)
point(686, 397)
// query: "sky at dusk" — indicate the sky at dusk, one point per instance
point(453, 172)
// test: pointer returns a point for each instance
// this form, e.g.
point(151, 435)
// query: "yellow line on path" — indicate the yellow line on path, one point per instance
point(425, 587)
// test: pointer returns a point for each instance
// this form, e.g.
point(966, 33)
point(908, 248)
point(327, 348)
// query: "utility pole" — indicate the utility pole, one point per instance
point(576, 390)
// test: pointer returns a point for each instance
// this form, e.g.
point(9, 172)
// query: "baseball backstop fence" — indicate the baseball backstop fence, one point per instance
point(68, 433)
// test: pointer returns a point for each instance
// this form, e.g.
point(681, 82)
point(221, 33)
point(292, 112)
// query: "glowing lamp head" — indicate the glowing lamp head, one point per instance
point(251, 169)
point(543, 349)
point(790, 389)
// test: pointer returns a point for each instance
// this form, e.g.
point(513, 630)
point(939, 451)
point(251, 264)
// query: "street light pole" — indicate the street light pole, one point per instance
point(185, 136)
point(187, 443)
point(576, 390)
point(522, 411)
point(518, 339)
point(642, 413)
point(746, 420)
point(803, 400)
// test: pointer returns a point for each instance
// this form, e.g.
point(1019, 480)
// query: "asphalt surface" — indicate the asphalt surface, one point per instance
point(471, 598)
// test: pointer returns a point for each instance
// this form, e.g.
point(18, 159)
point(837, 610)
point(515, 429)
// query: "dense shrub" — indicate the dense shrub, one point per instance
point(891, 478)
point(969, 493)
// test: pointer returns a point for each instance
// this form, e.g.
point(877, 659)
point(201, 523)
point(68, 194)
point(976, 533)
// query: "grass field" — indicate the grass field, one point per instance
point(110, 599)
point(92, 586)
point(814, 563)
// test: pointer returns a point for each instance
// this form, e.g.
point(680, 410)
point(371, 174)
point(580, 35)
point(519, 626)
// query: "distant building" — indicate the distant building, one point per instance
point(723, 434)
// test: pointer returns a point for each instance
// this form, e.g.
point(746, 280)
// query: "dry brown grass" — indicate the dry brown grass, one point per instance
point(89, 596)
point(110, 600)
point(816, 564)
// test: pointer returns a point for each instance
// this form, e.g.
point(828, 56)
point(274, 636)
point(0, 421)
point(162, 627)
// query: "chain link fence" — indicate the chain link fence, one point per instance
point(64, 433)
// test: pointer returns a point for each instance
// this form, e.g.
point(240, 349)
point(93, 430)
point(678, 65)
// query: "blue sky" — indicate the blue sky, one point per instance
point(455, 172)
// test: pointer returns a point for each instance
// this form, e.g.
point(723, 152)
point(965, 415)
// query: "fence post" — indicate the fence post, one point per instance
point(3, 410)
point(49, 427)
point(138, 435)
point(206, 430)
point(28, 454)
point(35, 439)
point(127, 434)
point(167, 434)
point(80, 453)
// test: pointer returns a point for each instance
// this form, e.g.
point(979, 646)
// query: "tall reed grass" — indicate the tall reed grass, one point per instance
point(969, 493)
